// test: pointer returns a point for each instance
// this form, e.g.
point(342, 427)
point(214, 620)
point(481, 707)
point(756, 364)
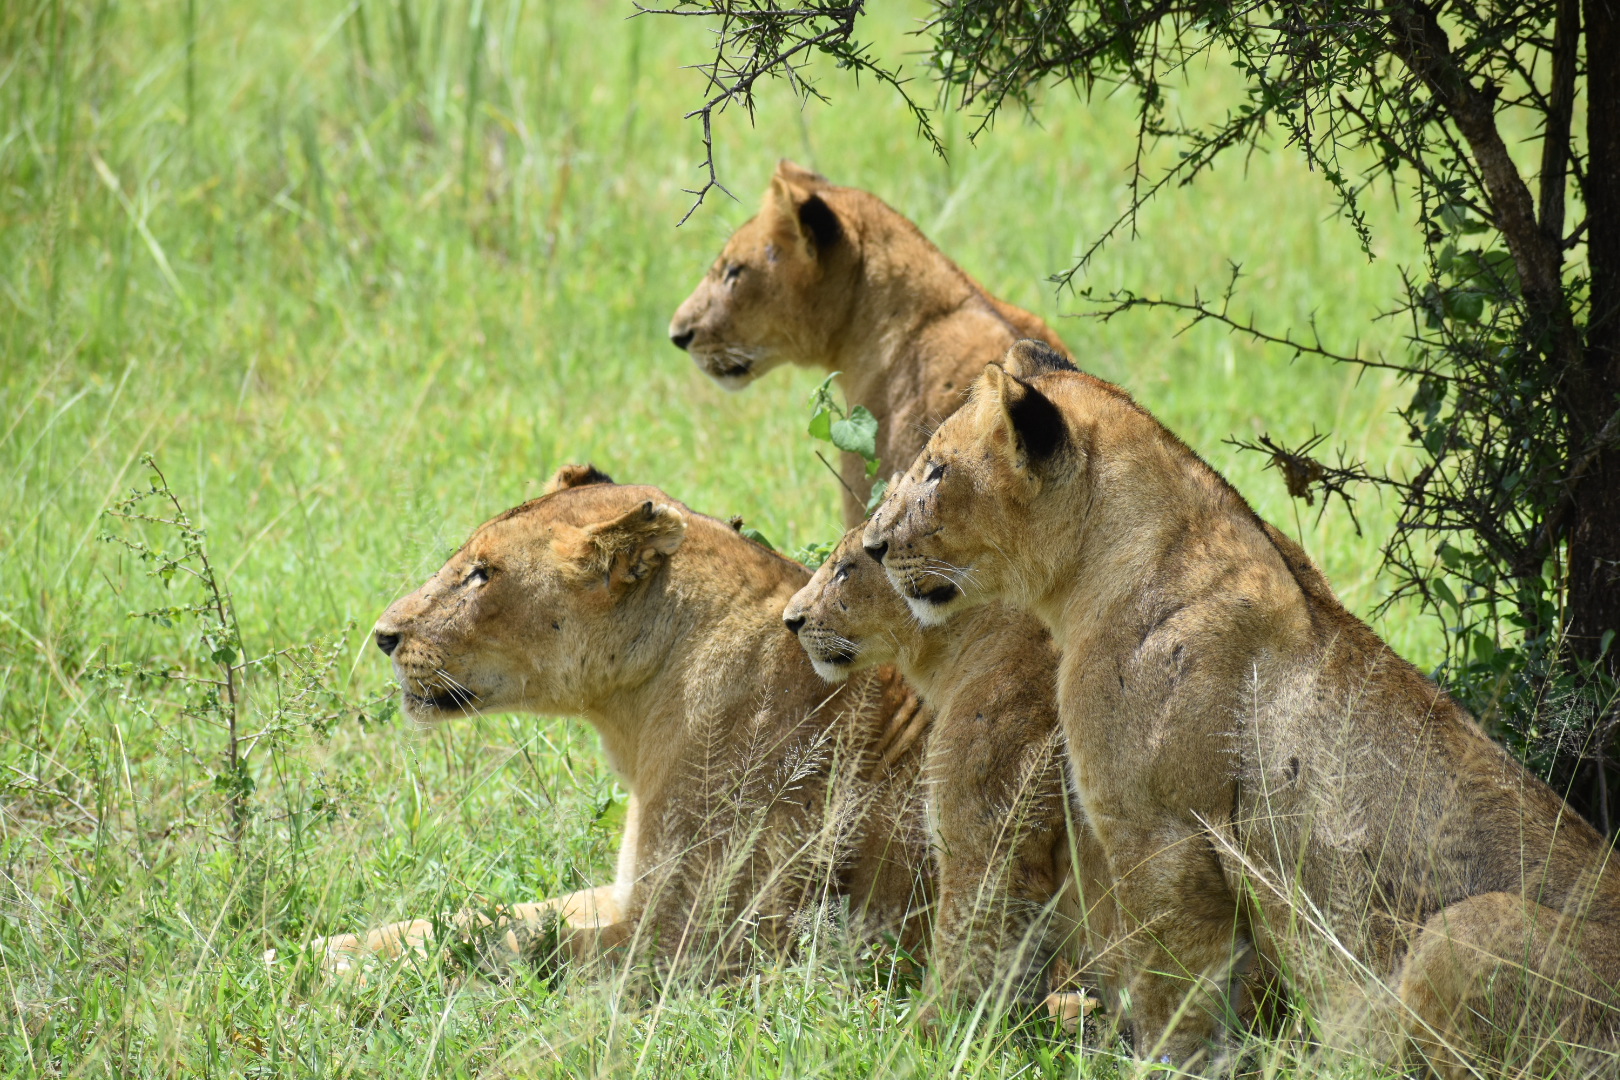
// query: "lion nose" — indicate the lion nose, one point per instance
point(387, 642)
point(794, 623)
point(877, 550)
point(681, 338)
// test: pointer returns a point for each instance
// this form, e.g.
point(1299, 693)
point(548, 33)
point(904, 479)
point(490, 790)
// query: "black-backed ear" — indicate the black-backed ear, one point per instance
point(1028, 427)
point(632, 546)
point(1029, 358)
point(573, 476)
point(818, 224)
point(795, 199)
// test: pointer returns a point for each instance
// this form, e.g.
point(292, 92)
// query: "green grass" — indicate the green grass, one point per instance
point(362, 275)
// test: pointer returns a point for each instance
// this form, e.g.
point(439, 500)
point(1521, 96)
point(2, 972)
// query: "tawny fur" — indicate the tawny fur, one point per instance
point(998, 807)
point(830, 277)
point(1262, 770)
point(755, 792)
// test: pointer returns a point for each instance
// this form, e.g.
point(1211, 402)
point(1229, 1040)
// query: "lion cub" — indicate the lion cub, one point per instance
point(1004, 837)
point(830, 277)
point(755, 795)
point(1263, 772)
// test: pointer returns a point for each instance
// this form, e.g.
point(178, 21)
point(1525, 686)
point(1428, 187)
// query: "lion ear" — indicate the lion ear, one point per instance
point(573, 476)
point(793, 172)
point(1024, 424)
point(632, 546)
point(795, 199)
point(1029, 358)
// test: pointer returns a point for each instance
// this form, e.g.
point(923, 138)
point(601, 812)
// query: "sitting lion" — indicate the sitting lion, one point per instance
point(1004, 835)
point(1263, 772)
point(831, 277)
point(755, 795)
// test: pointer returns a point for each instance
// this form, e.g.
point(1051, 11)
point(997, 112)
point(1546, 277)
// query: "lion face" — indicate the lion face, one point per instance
point(542, 610)
point(771, 296)
point(945, 532)
point(848, 617)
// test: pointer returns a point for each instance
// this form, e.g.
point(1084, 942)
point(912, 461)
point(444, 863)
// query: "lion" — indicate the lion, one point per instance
point(1263, 772)
point(831, 277)
point(1004, 835)
point(756, 796)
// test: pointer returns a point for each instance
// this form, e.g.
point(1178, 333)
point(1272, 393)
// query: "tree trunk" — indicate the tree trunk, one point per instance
point(1594, 563)
point(1594, 545)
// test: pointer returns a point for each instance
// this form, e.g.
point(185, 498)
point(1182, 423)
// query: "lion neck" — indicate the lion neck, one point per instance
point(716, 631)
point(899, 284)
point(931, 657)
point(1161, 531)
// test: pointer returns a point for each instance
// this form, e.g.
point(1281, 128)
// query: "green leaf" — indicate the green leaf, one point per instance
point(857, 433)
point(1464, 305)
point(879, 489)
point(823, 407)
point(814, 554)
point(612, 813)
point(821, 425)
point(1443, 591)
point(756, 536)
point(1603, 645)
point(1455, 217)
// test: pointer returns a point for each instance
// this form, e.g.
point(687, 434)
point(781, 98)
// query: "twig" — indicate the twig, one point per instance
point(1301, 472)
point(840, 477)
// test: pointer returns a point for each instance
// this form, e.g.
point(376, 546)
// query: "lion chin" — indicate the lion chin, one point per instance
point(731, 378)
point(734, 368)
point(932, 608)
point(834, 669)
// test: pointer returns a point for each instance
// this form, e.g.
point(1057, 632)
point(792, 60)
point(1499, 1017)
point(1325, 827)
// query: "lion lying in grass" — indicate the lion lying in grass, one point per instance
point(833, 278)
point(1263, 772)
point(755, 794)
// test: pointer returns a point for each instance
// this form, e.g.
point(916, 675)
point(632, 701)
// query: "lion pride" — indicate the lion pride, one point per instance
point(1265, 775)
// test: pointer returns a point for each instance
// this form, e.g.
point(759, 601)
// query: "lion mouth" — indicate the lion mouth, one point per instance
point(441, 699)
point(839, 657)
point(939, 595)
point(731, 367)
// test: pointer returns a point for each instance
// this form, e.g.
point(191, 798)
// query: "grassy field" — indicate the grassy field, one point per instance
point(361, 275)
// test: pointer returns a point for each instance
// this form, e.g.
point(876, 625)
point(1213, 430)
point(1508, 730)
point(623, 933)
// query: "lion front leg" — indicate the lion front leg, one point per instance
point(1183, 939)
point(589, 923)
point(580, 925)
point(998, 847)
point(344, 954)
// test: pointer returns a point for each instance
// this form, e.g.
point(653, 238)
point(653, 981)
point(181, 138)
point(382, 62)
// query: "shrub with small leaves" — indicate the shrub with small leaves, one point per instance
point(295, 691)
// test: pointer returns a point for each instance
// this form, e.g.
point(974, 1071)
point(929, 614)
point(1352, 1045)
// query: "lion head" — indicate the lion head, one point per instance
point(548, 608)
point(848, 618)
point(777, 290)
point(944, 532)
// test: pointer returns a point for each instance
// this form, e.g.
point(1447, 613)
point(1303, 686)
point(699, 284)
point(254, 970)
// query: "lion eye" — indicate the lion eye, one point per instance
point(478, 576)
point(734, 271)
point(936, 472)
point(843, 571)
